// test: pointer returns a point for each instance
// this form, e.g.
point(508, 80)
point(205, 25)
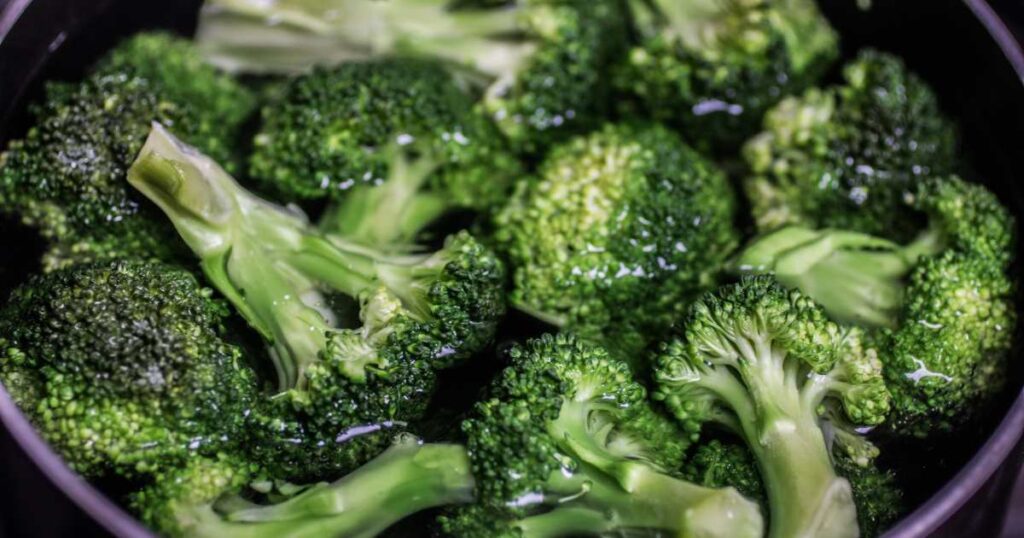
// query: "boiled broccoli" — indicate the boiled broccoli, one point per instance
point(945, 299)
point(337, 133)
point(66, 177)
point(878, 499)
point(124, 368)
point(620, 230)
point(846, 157)
point(539, 64)
point(568, 445)
point(860, 278)
point(347, 375)
point(712, 67)
point(206, 498)
point(761, 362)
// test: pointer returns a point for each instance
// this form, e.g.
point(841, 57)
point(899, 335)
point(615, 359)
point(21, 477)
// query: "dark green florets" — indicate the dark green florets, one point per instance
point(619, 231)
point(67, 176)
point(847, 157)
point(950, 352)
point(331, 130)
point(713, 68)
point(132, 374)
point(568, 445)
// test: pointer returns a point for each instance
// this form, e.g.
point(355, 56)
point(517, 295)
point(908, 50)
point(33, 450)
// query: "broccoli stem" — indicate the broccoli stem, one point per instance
point(654, 501)
point(407, 478)
point(393, 212)
point(781, 426)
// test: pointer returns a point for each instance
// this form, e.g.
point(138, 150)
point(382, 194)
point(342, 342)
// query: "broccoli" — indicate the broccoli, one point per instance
point(347, 375)
point(124, 368)
point(335, 134)
point(206, 497)
point(845, 157)
point(539, 64)
point(66, 177)
point(878, 499)
point(568, 445)
point(714, 66)
point(859, 278)
point(619, 231)
point(762, 361)
point(944, 300)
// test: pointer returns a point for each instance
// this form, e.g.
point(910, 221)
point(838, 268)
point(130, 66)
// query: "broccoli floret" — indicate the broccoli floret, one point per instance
point(205, 498)
point(123, 367)
point(846, 157)
point(714, 66)
point(950, 353)
point(539, 64)
point(879, 499)
point(761, 361)
point(333, 135)
point(568, 445)
point(342, 379)
point(620, 230)
point(718, 464)
point(861, 279)
point(66, 177)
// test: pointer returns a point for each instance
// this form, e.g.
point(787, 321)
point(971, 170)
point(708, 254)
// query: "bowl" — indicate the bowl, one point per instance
point(961, 47)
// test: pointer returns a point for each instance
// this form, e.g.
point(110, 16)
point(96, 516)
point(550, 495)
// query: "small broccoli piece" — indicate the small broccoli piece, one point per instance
point(846, 157)
point(66, 177)
point(568, 445)
point(345, 381)
point(204, 499)
point(761, 361)
point(123, 367)
point(861, 279)
point(879, 500)
point(333, 135)
point(950, 353)
point(619, 231)
point(539, 64)
point(717, 464)
point(714, 67)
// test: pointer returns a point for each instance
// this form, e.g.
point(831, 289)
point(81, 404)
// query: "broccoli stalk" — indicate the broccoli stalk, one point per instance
point(292, 36)
point(272, 266)
point(761, 361)
point(569, 446)
point(405, 479)
point(392, 213)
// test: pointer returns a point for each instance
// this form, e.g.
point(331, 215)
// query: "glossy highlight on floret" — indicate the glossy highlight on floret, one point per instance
point(712, 67)
point(617, 233)
point(539, 65)
point(66, 177)
point(123, 367)
point(348, 376)
point(847, 156)
point(568, 445)
point(207, 497)
point(762, 361)
point(335, 133)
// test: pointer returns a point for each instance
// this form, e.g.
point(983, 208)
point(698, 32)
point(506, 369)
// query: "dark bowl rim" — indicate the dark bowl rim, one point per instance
point(924, 520)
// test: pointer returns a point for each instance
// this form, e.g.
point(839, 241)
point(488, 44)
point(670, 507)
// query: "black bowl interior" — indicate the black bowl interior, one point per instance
point(940, 39)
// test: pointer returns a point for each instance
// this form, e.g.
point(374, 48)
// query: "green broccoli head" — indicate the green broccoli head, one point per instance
point(66, 177)
point(949, 354)
point(847, 157)
point(345, 373)
point(568, 445)
point(539, 64)
point(879, 498)
point(718, 464)
point(209, 498)
point(714, 67)
point(123, 366)
point(861, 279)
point(761, 361)
point(332, 135)
point(618, 232)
